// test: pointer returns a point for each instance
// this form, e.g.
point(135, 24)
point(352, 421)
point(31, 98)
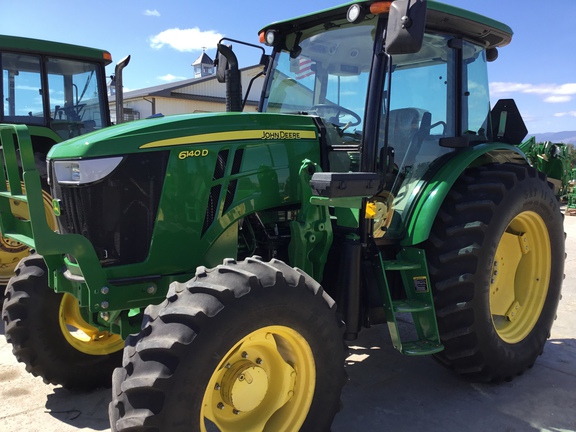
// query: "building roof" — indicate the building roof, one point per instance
point(203, 59)
point(168, 90)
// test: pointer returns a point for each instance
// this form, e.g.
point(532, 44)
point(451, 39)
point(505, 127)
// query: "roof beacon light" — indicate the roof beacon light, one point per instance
point(380, 7)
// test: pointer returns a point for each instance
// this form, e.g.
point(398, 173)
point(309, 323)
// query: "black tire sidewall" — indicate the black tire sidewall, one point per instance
point(270, 306)
point(529, 195)
point(39, 338)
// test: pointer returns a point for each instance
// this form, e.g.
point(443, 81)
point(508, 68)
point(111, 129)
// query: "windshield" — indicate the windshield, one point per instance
point(328, 77)
point(74, 98)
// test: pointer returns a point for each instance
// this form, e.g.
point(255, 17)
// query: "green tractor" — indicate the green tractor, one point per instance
point(236, 253)
point(59, 91)
point(554, 160)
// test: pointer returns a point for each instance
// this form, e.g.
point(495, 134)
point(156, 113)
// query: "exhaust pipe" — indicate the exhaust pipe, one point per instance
point(119, 90)
point(227, 71)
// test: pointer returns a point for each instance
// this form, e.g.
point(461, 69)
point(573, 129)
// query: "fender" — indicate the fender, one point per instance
point(428, 203)
point(42, 131)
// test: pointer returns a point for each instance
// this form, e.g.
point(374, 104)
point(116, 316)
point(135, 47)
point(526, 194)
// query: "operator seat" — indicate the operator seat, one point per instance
point(404, 132)
point(403, 124)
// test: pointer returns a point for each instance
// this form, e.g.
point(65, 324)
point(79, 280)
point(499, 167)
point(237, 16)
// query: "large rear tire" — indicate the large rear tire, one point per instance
point(496, 260)
point(248, 346)
point(49, 335)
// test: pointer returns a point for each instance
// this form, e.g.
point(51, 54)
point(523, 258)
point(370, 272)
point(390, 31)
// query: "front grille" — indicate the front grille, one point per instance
point(117, 213)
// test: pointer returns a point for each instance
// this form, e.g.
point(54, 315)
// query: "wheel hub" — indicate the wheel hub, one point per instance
point(244, 386)
point(519, 277)
point(82, 335)
point(265, 382)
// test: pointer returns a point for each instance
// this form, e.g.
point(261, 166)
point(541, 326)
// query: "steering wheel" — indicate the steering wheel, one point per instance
point(72, 112)
point(334, 113)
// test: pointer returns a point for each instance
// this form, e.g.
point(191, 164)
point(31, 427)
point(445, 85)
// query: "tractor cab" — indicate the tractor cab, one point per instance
point(398, 107)
point(53, 85)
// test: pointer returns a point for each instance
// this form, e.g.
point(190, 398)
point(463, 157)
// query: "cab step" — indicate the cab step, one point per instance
point(409, 306)
point(419, 303)
point(421, 347)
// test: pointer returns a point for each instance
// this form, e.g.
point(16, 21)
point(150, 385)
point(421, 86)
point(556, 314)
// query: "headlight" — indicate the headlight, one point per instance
point(79, 172)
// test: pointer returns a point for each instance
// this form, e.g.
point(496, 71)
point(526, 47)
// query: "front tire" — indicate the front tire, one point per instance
point(49, 335)
point(496, 260)
point(248, 346)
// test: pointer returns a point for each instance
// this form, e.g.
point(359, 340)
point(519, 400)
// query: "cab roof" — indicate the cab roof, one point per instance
point(59, 49)
point(440, 17)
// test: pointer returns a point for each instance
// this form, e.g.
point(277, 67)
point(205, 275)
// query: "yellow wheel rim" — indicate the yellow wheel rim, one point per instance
point(81, 335)
point(520, 277)
point(264, 383)
point(11, 251)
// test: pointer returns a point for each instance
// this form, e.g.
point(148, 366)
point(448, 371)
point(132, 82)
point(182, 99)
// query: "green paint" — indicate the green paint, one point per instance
point(207, 196)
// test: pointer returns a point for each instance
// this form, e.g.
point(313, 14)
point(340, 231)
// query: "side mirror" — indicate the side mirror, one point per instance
point(406, 25)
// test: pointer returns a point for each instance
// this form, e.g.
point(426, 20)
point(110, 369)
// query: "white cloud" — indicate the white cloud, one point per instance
point(507, 87)
point(557, 99)
point(149, 12)
point(170, 77)
point(552, 93)
point(186, 39)
point(566, 114)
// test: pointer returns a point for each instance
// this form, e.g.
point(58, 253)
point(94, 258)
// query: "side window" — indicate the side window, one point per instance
point(421, 103)
point(22, 89)
point(476, 100)
point(422, 107)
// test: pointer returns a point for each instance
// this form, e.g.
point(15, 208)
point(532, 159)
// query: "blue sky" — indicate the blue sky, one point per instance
point(538, 69)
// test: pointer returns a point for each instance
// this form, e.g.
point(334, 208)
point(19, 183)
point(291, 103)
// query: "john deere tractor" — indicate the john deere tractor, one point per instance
point(553, 159)
point(59, 91)
point(235, 253)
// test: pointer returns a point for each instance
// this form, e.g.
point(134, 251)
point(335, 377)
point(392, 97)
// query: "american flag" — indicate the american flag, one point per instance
point(304, 68)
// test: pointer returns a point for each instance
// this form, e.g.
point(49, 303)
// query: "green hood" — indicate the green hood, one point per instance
point(186, 129)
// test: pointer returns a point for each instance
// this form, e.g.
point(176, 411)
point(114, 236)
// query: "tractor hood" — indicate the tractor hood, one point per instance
point(184, 130)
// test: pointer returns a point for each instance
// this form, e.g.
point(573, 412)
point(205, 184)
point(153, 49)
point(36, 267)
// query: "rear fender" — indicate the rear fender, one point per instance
point(435, 191)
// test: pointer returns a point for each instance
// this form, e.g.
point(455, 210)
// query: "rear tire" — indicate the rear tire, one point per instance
point(36, 325)
point(263, 322)
point(496, 260)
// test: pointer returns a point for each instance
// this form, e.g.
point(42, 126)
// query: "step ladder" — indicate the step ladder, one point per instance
point(411, 263)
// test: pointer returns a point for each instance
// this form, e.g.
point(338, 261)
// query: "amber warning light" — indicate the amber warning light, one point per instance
point(380, 7)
